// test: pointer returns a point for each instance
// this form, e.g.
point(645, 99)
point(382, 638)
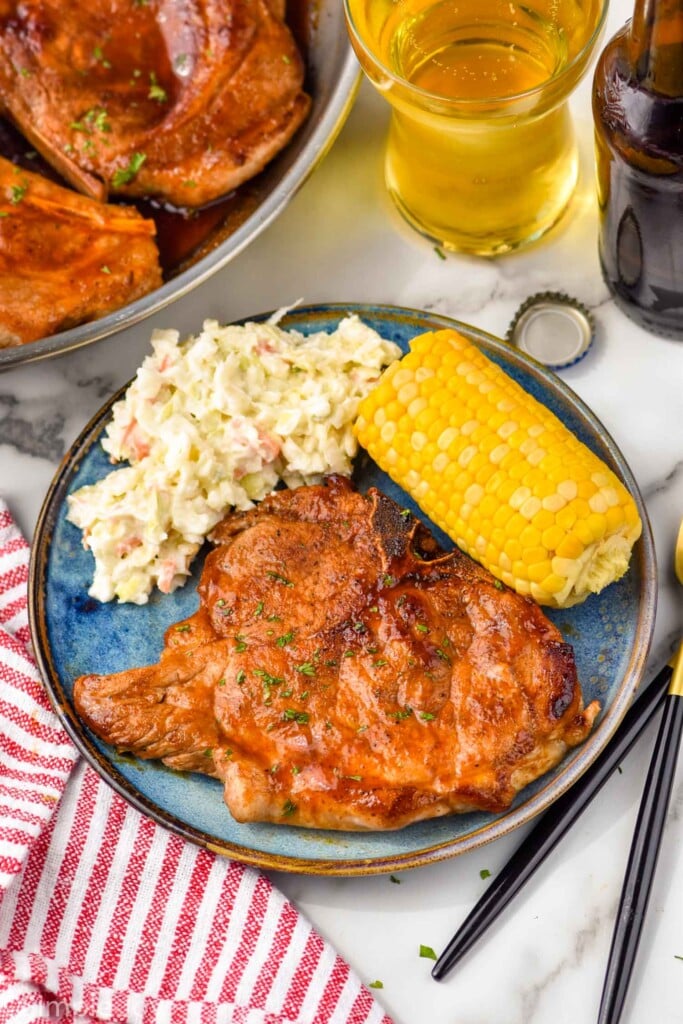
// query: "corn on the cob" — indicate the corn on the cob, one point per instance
point(498, 472)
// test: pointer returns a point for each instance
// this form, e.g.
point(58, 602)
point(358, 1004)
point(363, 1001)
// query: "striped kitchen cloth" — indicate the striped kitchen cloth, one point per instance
point(105, 916)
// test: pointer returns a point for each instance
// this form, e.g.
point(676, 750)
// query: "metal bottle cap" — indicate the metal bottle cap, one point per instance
point(553, 328)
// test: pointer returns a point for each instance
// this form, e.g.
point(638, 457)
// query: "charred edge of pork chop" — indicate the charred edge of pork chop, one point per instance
point(427, 690)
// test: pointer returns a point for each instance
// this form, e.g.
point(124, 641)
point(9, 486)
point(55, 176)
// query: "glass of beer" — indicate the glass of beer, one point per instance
point(481, 156)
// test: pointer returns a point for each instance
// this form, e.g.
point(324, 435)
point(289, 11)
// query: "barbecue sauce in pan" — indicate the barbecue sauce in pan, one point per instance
point(183, 235)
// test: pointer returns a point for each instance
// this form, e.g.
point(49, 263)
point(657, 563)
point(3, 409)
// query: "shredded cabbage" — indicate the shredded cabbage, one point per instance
point(215, 422)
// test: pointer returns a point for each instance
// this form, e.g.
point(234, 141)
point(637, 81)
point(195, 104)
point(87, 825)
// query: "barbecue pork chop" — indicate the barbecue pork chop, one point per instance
point(182, 99)
point(344, 673)
point(65, 259)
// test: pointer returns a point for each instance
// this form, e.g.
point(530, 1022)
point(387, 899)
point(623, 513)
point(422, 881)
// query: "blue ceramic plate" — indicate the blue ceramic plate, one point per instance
point(74, 634)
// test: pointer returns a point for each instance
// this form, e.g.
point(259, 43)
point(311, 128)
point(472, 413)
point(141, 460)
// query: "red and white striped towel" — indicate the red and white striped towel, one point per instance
point(105, 916)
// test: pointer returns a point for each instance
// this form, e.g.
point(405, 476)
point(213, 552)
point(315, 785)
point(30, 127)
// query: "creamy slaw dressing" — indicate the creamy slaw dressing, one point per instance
point(215, 422)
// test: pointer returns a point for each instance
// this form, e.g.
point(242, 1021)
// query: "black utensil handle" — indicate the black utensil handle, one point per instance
point(533, 850)
point(642, 861)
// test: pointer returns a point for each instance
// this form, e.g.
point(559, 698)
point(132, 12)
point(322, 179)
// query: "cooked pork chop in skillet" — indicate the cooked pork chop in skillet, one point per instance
point(344, 673)
point(180, 99)
point(65, 259)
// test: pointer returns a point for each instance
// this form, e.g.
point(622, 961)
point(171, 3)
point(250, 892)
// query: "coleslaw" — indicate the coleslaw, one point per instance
point(216, 422)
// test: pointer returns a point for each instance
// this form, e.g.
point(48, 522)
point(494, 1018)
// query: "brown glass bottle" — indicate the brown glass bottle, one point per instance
point(638, 116)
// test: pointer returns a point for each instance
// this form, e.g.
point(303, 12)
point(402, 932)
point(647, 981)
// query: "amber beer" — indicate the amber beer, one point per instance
point(481, 154)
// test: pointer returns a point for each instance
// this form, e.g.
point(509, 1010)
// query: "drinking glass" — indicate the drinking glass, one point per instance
point(481, 155)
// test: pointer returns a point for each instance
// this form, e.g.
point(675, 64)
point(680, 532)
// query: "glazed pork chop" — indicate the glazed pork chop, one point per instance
point(65, 259)
point(342, 672)
point(182, 99)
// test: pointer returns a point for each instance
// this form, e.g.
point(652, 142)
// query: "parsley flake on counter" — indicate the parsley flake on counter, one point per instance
point(395, 880)
point(376, 984)
point(427, 953)
point(484, 873)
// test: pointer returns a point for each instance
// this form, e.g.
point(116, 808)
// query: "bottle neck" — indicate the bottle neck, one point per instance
point(656, 45)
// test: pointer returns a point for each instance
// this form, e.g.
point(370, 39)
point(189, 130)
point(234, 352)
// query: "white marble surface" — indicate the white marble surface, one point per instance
point(340, 240)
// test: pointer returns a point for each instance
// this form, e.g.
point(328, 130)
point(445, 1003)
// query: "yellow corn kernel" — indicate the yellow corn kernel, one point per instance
point(498, 472)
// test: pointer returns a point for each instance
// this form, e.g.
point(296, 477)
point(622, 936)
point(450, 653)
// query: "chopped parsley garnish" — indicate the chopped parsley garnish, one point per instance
point(259, 610)
point(295, 769)
point(388, 581)
point(267, 677)
point(240, 677)
point(427, 952)
point(292, 715)
point(182, 629)
point(400, 716)
point(285, 639)
point(100, 58)
point(306, 669)
point(355, 778)
point(208, 752)
point(240, 644)
point(379, 662)
point(360, 627)
point(221, 682)
point(405, 512)
point(427, 716)
point(18, 193)
point(498, 584)
point(155, 90)
point(279, 579)
point(288, 807)
point(349, 654)
point(126, 174)
point(420, 626)
point(105, 269)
